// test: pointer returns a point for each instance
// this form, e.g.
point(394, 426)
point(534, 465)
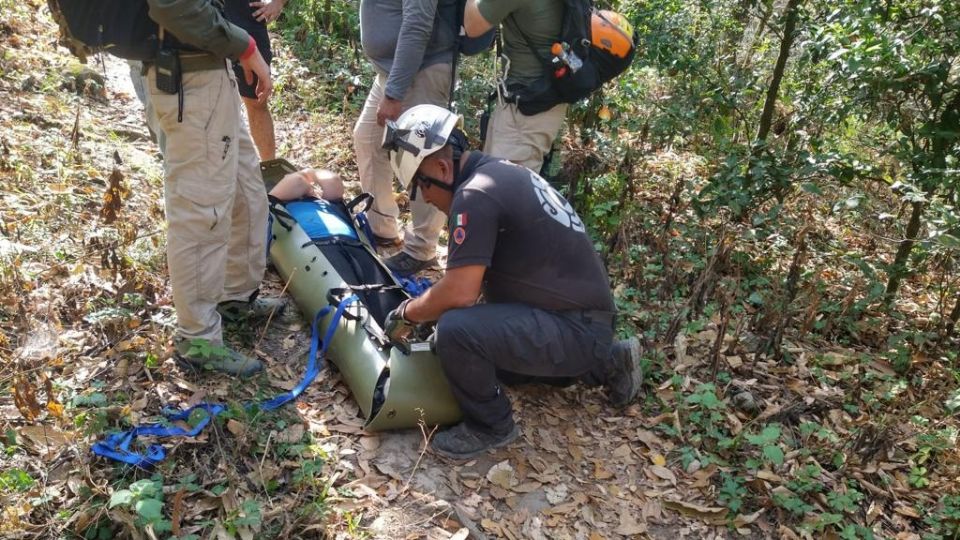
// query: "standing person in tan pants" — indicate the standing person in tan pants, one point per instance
point(412, 54)
point(214, 195)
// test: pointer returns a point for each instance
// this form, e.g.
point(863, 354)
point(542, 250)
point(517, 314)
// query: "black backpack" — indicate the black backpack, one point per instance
point(119, 27)
point(603, 42)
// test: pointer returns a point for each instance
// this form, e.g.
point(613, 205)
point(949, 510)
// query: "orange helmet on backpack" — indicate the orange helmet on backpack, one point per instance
point(611, 32)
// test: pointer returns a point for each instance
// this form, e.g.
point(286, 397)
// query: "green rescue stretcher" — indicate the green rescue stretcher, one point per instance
point(321, 252)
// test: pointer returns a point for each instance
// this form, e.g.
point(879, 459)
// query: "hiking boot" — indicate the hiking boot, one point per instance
point(201, 355)
point(462, 442)
point(405, 265)
point(623, 383)
point(386, 243)
point(235, 311)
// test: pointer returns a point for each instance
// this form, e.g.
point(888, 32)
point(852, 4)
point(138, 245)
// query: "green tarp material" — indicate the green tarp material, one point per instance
point(393, 389)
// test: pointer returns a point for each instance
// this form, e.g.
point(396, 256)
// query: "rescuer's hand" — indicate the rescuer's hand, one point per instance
point(398, 329)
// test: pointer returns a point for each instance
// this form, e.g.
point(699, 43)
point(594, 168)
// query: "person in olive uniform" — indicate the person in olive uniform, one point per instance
point(215, 200)
point(524, 25)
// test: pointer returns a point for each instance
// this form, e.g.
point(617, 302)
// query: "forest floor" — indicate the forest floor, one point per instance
point(86, 323)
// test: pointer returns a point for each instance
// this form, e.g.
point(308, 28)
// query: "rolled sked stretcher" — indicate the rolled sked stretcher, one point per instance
point(321, 251)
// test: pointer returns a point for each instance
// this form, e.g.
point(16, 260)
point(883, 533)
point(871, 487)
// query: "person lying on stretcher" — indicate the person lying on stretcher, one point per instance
point(314, 199)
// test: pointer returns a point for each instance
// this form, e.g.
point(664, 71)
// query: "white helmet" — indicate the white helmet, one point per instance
point(419, 132)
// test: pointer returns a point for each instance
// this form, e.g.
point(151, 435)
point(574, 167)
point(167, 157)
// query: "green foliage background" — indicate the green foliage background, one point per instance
point(815, 203)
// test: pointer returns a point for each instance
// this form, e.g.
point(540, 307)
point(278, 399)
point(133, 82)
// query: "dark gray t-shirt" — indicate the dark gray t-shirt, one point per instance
point(533, 244)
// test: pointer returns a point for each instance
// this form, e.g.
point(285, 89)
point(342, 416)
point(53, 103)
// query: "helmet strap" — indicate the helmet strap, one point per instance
point(458, 143)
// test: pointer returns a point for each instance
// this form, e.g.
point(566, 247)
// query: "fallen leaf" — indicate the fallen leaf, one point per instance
point(527, 487)
point(235, 427)
point(744, 520)
point(604, 113)
point(55, 409)
point(658, 459)
point(491, 526)
point(908, 511)
point(45, 438)
point(648, 438)
point(664, 473)
point(291, 435)
point(501, 474)
point(556, 494)
point(599, 472)
point(25, 398)
point(651, 510)
point(629, 526)
point(576, 453)
point(769, 476)
point(176, 515)
point(622, 452)
point(715, 515)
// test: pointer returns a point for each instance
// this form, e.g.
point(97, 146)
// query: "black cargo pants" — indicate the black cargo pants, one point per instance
point(475, 343)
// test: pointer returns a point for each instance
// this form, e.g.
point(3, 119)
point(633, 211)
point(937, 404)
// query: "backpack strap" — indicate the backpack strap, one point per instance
point(523, 36)
point(457, 25)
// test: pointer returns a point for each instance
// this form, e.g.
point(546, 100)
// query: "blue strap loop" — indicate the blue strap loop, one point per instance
point(116, 446)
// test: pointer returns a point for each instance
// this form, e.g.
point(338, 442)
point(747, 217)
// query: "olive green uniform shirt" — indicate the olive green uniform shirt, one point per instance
point(540, 21)
point(200, 23)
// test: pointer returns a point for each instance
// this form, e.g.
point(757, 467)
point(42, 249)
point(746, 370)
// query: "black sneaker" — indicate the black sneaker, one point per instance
point(461, 442)
point(623, 383)
point(405, 265)
point(236, 311)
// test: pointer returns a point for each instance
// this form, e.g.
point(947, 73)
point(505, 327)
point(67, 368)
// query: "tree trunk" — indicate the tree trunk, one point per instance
point(899, 268)
point(770, 105)
point(939, 148)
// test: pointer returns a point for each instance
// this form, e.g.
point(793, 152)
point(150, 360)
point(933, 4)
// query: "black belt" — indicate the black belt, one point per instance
point(195, 61)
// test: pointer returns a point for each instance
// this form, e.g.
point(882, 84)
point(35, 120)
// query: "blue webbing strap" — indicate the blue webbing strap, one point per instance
point(314, 361)
point(116, 446)
point(414, 286)
point(364, 223)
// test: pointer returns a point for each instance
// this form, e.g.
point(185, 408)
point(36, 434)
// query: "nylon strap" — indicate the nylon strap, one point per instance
point(116, 446)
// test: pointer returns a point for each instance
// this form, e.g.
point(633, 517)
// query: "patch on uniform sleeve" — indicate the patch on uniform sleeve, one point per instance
point(459, 235)
point(461, 220)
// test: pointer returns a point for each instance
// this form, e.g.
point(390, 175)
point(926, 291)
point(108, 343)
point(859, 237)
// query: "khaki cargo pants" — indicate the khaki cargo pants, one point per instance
point(522, 139)
point(430, 86)
point(216, 202)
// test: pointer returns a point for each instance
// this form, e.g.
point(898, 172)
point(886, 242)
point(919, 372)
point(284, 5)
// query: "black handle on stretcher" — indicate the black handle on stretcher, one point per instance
point(364, 198)
point(275, 208)
point(335, 296)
